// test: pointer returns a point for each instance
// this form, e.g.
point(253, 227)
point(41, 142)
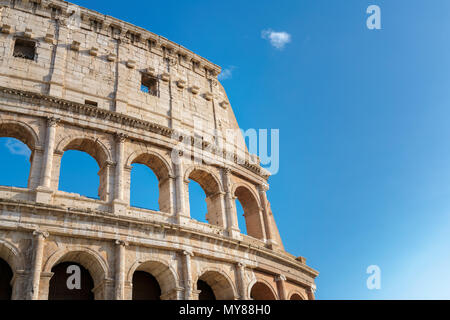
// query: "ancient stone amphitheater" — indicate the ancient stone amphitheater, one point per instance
point(74, 79)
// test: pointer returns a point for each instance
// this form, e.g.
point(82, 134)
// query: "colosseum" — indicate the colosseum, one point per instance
point(75, 79)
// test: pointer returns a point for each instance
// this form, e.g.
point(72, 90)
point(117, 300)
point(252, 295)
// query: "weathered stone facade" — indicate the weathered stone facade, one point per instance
point(64, 88)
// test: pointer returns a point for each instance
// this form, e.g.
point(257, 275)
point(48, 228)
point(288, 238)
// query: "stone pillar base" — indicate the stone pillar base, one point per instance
point(183, 220)
point(119, 207)
point(235, 234)
point(44, 195)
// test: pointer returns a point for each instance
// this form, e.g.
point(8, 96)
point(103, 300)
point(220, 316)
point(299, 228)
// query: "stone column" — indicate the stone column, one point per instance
point(269, 234)
point(119, 203)
point(230, 206)
point(187, 274)
point(120, 269)
point(311, 292)
point(242, 283)
point(38, 252)
point(43, 194)
point(281, 286)
point(180, 186)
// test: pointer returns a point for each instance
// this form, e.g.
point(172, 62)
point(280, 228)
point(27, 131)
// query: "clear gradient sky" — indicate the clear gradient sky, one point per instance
point(364, 129)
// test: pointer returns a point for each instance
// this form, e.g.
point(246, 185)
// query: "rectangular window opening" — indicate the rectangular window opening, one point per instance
point(91, 103)
point(149, 85)
point(25, 49)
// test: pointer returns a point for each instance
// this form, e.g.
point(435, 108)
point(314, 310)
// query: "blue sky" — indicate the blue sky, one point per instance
point(364, 137)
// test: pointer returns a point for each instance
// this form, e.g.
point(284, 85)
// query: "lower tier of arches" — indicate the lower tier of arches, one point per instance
point(36, 265)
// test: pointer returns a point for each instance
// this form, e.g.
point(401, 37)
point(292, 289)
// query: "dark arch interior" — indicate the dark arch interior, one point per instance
point(206, 292)
point(296, 296)
point(260, 291)
point(58, 284)
point(145, 286)
point(6, 275)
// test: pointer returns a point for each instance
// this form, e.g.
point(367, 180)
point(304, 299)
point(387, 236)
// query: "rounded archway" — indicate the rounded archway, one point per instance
point(262, 291)
point(152, 280)
point(296, 296)
point(159, 191)
point(18, 142)
point(206, 292)
point(214, 285)
point(6, 275)
point(252, 213)
point(71, 281)
point(145, 286)
point(94, 148)
point(211, 186)
point(91, 267)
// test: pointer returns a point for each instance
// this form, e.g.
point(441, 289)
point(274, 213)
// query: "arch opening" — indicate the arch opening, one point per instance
point(261, 291)
point(212, 197)
point(71, 281)
point(79, 174)
point(6, 275)
point(150, 189)
point(252, 212)
point(206, 292)
point(152, 280)
point(75, 151)
point(145, 286)
point(213, 284)
point(17, 157)
point(296, 296)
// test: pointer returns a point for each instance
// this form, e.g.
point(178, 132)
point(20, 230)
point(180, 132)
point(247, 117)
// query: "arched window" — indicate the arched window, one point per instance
point(261, 291)
point(145, 286)
point(212, 197)
point(213, 285)
point(17, 143)
point(153, 280)
point(241, 218)
point(16, 157)
point(71, 281)
point(79, 174)
point(197, 202)
point(6, 275)
point(81, 169)
point(296, 296)
point(252, 213)
point(149, 183)
point(206, 292)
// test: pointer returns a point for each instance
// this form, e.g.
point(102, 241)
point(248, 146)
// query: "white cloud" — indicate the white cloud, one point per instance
point(277, 39)
point(226, 73)
point(17, 148)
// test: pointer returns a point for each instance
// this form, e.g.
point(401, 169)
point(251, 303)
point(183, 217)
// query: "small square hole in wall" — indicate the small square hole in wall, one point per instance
point(25, 49)
point(91, 103)
point(149, 85)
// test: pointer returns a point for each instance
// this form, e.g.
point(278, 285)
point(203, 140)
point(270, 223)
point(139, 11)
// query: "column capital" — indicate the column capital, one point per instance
point(241, 265)
point(122, 243)
point(52, 121)
point(263, 187)
point(39, 233)
point(120, 137)
point(187, 253)
point(280, 277)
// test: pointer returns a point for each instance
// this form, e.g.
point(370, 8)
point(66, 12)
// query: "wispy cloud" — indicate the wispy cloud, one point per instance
point(277, 39)
point(17, 148)
point(226, 73)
